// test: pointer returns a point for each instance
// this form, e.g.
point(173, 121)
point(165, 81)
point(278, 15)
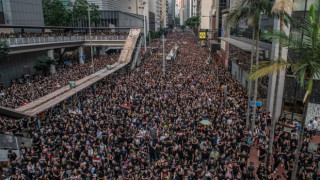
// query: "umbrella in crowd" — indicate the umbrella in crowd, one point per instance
point(205, 122)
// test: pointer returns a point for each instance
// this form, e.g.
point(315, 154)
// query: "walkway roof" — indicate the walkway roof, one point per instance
point(244, 44)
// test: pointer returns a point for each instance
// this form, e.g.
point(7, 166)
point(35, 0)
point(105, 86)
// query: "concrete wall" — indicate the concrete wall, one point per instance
point(300, 4)
point(12, 67)
point(313, 111)
point(130, 6)
point(240, 74)
point(129, 21)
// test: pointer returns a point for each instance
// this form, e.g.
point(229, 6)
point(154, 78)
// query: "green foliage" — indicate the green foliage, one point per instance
point(193, 23)
point(55, 14)
point(154, 34)
point(250, 9)
point(80, 10)
point(157, 34)
point(308, 67)
point(43, 64)
point(163, 32)
point(4, 49)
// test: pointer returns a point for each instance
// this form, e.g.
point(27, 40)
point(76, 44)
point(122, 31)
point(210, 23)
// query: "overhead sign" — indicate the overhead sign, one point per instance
point(202, 35)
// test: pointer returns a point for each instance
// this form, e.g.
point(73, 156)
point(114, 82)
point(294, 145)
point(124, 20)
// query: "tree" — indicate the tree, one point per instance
point(80, 11)
point(43, 64)
point(251, 9)
point(55, 13)
point(280, 7)
point(154, 34)
point(4, 49)
point(304, 70)
point(193, 23)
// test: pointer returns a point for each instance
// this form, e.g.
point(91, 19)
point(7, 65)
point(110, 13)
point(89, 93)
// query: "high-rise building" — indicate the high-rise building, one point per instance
point(154, 10)
point(171, 13)
point(17, 12)
point(188, 9)
point(106, 5)
point(205, 16)
point(177, 10)
point(194, 8)
point(181, 12)
point(1, 14)
point(164, 9)
point(140, 7)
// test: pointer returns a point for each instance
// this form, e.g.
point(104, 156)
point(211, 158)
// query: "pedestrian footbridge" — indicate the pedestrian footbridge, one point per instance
point(31, 44)
point(46, 102)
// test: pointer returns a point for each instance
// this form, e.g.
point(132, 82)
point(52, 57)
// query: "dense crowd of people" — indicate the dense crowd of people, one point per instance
point(146, 125)
point(58, 33)
point(25, 90)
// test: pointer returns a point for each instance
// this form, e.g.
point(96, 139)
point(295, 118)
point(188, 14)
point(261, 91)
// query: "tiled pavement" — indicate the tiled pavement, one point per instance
point(254, 158)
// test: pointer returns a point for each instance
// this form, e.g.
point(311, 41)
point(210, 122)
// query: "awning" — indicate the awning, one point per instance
point(240, 44)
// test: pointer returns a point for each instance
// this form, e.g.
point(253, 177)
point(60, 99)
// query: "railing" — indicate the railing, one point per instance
point(57, 39)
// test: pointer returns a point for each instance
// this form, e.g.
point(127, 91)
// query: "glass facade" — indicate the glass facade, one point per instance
point(1, 13)
point(1, 8)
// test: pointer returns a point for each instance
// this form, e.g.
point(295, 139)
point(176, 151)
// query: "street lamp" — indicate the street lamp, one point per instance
point(144, 26)
point(89, 26)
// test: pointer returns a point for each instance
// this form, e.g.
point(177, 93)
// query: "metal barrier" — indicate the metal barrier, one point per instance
point(43, 40)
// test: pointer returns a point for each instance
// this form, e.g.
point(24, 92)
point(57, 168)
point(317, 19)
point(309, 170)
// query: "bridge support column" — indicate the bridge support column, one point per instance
point(81, 61)
point(103, 50)
point(53, 67)
point(98, 51)
point(94, 50)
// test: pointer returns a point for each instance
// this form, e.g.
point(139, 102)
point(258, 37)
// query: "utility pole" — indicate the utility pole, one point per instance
point(150, 44)
point(145, 30)
point(164, 59)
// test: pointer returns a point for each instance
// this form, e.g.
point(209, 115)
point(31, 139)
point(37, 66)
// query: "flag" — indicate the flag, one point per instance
point(96, 159)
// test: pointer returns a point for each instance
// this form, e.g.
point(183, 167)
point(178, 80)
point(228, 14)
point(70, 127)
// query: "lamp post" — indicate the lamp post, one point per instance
point(89, 26)
point(164, 59)
point(145, 26)
point(89, 22)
